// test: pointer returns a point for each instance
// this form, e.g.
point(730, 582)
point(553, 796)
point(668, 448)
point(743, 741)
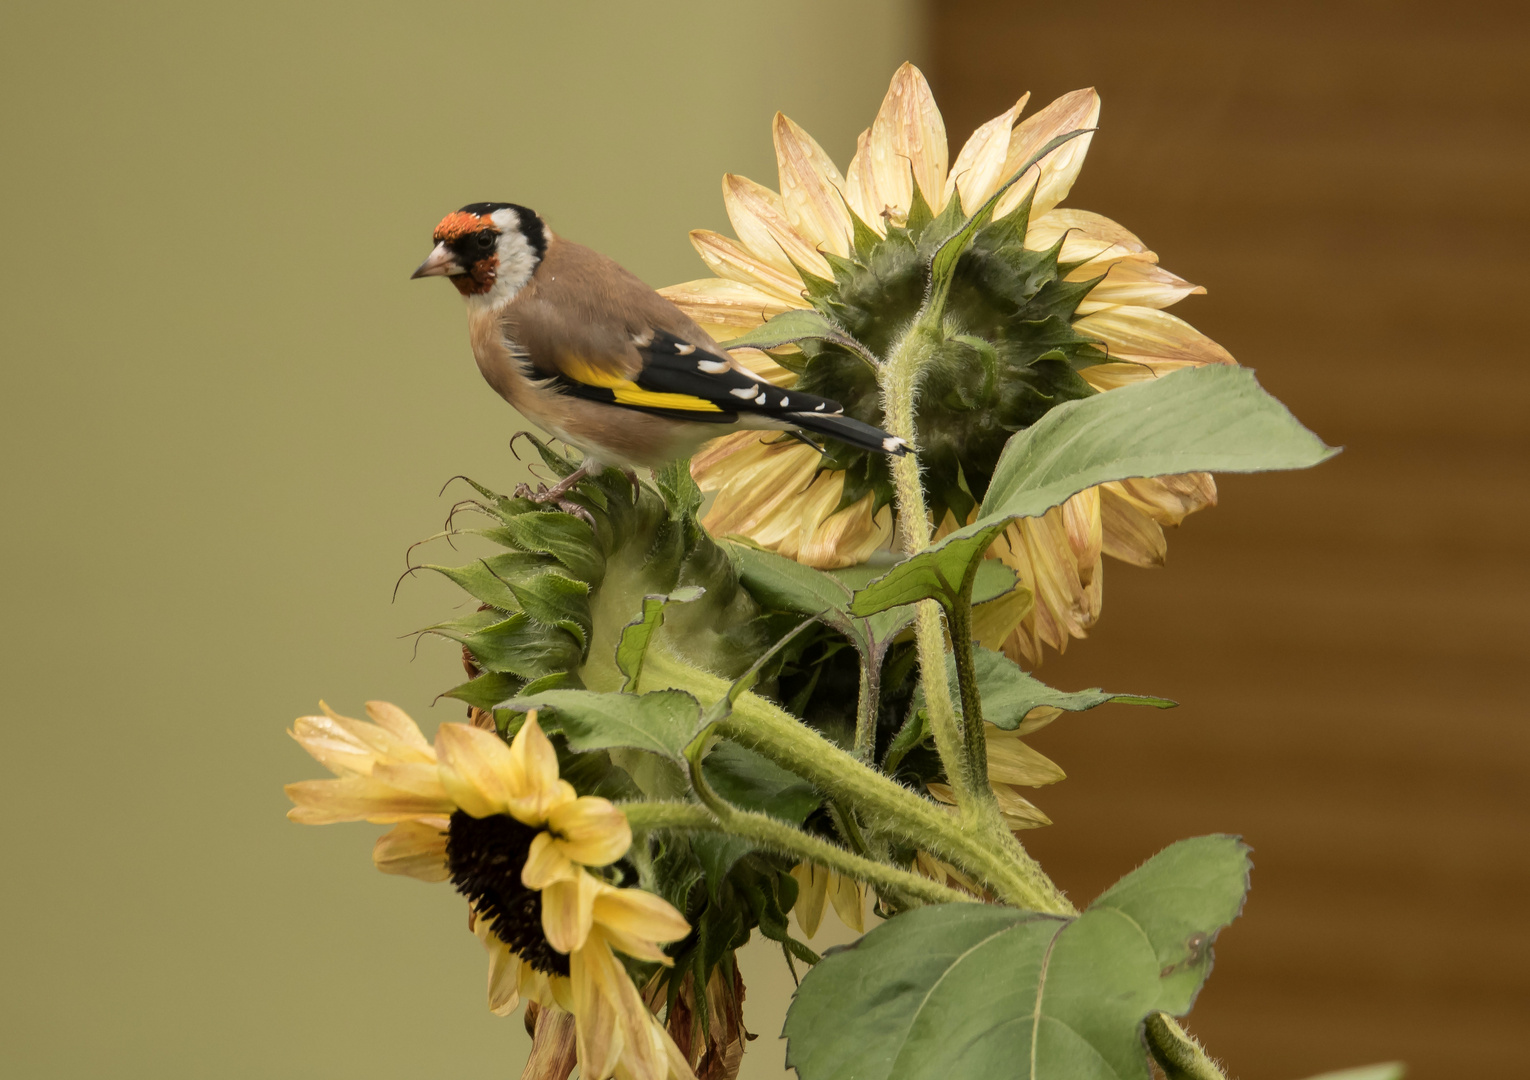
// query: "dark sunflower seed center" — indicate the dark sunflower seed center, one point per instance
point(485, 856)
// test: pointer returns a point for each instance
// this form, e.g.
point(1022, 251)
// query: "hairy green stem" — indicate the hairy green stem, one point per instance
point(866, 708)
point(1178, 1052)
point(884, 805)
point(973, 741)
point(779, 836)
point(963, 751)
point(900, 390)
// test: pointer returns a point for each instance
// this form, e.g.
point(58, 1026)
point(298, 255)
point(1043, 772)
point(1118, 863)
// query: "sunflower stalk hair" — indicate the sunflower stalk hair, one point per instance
point(883, 805)
point(1178, 1053)
point(904, 888)
point(959, 741)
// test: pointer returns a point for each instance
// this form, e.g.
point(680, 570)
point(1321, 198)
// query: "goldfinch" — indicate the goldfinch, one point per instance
point(586, 351)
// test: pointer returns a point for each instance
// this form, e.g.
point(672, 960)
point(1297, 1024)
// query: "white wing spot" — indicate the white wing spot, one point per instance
point(761, 399)
point(713, 367)
point(685, 350)
point(643, 340)
point(785, 401)
point(742, 392)
point(818, 407)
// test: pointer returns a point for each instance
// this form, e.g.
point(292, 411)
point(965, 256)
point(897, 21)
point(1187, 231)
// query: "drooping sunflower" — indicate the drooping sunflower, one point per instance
point(516, 839)
point(1048, 305)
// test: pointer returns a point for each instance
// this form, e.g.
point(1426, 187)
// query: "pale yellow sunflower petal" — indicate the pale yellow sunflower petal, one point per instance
point(1096, 230)
point(979, 168)
point(414, 849)
point(1146, 334)
point(594, 1003)
point(504, 976)
point(1169, 499)
point(401, 725)
point(759, 217)
point(720, 302)
point(811, 188)
point(1113, 376)
point(591, 830)
point(1017, 811)
point(1038, 718)
point(1058, 170)
point(414, 777)
point(639, 914)
point(993, 622)
point(331, 745)
point(568, 908)
point(752, 478)
point(908, 143)
point(849, 899)
point(534, 789)
point(812, 895)
point(847, 537)
point(1010, 761)
point(1130, 533)
point(360, 798)
point(861, 186)
point(1132, 281)
point(788, 533)
point(546, 862)
point(729, 259)
point(475, 768)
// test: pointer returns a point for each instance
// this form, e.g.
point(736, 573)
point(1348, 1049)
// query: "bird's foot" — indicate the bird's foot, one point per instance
point(555, 495)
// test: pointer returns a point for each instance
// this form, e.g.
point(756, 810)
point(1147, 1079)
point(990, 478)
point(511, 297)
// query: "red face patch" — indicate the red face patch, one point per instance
point(458, 224)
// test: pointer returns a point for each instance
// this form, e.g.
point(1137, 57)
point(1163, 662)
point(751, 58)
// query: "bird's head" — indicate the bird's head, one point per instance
point(488, 250)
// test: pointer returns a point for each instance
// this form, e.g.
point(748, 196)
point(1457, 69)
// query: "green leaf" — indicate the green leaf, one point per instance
point(566, 537)
point(752, 781)
point(937, 572)
point(1009, 692)
point(1207, 419)
point(662, 722)
point(516, 645)
point(791, 327)
point(555, 600)
point(487, 690)
point(977, 990)
point(779, 582)
point(632, 646)
point(943, 262)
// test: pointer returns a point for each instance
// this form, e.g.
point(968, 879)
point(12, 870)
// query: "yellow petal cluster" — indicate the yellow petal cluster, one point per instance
point(816, 887)
point(386, 771)
point(774, 493)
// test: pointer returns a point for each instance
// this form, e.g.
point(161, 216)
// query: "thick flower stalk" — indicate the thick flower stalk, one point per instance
point(1049, 304)
point(526, 850)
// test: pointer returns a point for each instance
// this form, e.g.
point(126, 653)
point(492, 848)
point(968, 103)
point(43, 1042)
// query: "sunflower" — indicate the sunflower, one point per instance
point(1050, 304)
point(518, 841)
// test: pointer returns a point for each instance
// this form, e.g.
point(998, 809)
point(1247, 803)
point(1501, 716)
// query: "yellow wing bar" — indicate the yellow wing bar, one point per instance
point(628, 392)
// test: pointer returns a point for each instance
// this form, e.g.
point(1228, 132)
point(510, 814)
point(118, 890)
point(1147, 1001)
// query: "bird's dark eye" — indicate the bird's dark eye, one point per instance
point(486, 239)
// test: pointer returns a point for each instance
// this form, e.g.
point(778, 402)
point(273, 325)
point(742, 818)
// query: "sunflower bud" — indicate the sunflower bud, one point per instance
point(555, 596)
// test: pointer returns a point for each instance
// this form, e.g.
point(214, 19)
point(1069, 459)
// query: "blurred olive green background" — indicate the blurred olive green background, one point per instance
point(228, 412)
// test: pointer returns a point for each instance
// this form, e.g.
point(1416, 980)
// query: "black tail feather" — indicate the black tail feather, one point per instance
point(848, 430)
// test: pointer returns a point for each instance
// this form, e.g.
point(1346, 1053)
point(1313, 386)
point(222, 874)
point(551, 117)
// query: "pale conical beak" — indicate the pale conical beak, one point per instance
point(442, 263)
